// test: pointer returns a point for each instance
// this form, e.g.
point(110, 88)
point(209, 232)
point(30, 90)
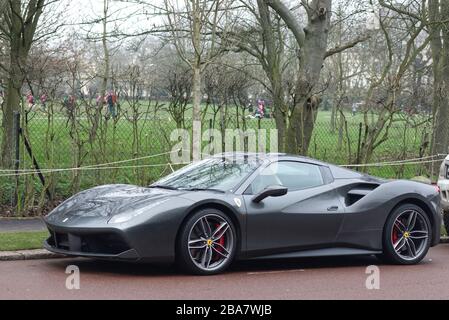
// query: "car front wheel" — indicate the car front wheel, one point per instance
point(207, 243)
point(407, 234)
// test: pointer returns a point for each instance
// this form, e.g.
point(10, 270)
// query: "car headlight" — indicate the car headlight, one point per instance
point(127, 216)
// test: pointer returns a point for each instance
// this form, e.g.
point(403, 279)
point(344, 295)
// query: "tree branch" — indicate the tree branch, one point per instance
point(346, 46)
point(290, 20)
point(399, 10)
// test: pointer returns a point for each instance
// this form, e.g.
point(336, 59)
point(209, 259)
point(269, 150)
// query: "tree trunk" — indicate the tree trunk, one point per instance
point(439, 40)
point(106, 69)
point(12, 104)
point(274, 48)
point(196, 116)
point(20, 34)
point(302, 120)
point(280, 119)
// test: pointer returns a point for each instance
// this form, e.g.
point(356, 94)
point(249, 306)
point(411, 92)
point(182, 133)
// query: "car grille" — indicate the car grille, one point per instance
point(106, 243)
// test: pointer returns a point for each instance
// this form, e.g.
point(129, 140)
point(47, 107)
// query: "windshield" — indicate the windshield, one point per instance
point(221, 173)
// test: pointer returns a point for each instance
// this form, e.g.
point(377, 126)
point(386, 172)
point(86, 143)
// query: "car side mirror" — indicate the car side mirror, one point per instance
point(271, 191)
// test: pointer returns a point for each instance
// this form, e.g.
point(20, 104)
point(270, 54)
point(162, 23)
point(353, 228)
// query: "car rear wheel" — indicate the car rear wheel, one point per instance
point(406, 237)
point(207, 243)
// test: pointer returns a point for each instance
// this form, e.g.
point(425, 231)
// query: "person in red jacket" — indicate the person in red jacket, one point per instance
point(111, 100)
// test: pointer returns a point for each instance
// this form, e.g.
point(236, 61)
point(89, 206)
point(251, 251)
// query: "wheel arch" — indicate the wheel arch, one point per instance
point(420, 203)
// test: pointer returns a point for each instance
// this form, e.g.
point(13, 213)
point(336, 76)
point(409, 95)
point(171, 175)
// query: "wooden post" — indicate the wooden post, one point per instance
point(16, 137)
point(36, 165)
point(359, 143)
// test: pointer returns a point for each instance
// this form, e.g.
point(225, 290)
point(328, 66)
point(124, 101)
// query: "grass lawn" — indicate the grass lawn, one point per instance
point(11, 241)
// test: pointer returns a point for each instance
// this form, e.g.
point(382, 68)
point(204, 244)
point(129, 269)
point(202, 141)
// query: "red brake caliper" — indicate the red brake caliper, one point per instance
point(395, 234)
point(221, 241)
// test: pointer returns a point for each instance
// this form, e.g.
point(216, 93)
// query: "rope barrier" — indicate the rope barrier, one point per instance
point(95, 165)
point(391, 164)
point(87, 169)
point(110, 165)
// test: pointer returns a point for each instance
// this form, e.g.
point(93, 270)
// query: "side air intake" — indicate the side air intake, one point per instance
point(358, 192)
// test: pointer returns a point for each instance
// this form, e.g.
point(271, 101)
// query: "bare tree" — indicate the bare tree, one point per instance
point(433, 15)
point(193, 29)
point(439, 43)
point(384, 91)
point(20, 27)
point(312, 41)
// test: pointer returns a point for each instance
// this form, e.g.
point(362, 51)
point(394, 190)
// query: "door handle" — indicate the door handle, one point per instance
point(333, 208)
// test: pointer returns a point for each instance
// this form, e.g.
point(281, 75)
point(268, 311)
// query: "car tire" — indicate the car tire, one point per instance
point(406, 243)
point(215, 253)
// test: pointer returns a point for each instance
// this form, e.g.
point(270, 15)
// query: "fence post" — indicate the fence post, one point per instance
point(359, 142)
point(211, 127)
point(36, 165)
point(16, 137)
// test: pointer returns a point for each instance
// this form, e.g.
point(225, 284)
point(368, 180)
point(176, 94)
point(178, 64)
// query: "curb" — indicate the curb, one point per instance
point(28, 255)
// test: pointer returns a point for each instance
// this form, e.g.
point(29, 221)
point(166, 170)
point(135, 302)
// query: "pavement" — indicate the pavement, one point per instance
point(19, 225)
point(318, 278)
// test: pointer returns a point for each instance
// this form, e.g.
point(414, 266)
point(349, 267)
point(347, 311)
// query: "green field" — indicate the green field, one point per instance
point(56, 145)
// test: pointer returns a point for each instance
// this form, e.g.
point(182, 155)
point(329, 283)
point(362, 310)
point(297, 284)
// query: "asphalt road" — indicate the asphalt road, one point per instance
point(324, 278)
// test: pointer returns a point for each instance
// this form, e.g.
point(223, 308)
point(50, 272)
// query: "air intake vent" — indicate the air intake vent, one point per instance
point(358, 192)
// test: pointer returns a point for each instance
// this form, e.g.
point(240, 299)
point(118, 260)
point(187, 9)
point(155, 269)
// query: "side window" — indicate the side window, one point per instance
point(293, 175)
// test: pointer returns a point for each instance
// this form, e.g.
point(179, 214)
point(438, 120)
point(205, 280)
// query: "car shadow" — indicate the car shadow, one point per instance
point(248, 266)
point(260, 265)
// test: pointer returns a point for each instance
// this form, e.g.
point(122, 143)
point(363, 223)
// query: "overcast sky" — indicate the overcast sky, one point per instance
point(126, 16)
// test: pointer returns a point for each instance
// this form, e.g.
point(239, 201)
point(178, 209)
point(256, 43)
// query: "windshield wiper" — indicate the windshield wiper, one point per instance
point(204, 189)
point(163, 187)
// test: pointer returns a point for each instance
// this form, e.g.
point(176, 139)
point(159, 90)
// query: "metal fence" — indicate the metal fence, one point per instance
point(89, 151)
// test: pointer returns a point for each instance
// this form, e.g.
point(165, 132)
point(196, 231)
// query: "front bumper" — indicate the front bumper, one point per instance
point(130, 255)
point(106, 244)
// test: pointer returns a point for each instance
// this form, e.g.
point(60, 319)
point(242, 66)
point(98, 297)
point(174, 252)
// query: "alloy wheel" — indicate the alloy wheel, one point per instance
point(211, 242)
point(410, 235)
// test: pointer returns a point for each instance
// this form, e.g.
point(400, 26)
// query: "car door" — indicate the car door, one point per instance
point(308, 216)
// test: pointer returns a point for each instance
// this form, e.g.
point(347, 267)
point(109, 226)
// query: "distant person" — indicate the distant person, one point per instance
point(44, 99)
point(69, 103)
point(30, 99)
point(260, 111)
point(72, 101)
point(111, 100)
point(100, 100)
point(354, 109)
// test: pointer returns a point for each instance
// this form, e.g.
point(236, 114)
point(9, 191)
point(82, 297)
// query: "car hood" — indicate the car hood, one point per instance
point(107, 201)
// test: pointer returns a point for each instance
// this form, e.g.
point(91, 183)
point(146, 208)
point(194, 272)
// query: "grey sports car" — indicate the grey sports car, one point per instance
point(247, 206)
